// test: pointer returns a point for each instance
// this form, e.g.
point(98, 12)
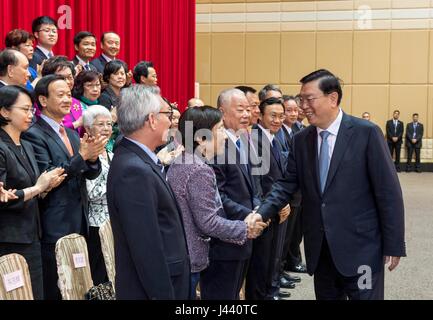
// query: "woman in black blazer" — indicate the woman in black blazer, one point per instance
point(19, 173)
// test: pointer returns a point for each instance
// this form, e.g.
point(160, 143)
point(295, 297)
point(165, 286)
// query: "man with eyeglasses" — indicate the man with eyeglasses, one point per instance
point(13, 68)
point(353, 215)
point(151, 252)
point(45, 31)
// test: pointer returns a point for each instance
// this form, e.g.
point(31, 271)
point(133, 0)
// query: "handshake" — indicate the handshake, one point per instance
point(255, 225)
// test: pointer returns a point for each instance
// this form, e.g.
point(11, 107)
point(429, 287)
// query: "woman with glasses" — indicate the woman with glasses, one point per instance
point(60, 65)
point(98, 121)
point(19, 218)
point(87, 88)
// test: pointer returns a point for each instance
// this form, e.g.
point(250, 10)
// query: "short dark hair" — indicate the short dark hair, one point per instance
point(142, 69)
point(41, 88)
point(105, 33)
point(8, 97)
point(57, 63)
point(415, 114)
point(16, 37)
point(246, 89)
point(7, 58)
point(36, 24)
point(266, 88)
point(328, 83)
point(269, 102)
point(202, 118)
point(396, 111)
point(81, 79)
point(112, 67)
point(288, 98)
point(81, 35)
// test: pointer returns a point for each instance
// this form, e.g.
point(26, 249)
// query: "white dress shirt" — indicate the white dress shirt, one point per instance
point(45, 51)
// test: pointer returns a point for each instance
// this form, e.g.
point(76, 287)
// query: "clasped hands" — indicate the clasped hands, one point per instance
point(92, 147)
point(6, 195)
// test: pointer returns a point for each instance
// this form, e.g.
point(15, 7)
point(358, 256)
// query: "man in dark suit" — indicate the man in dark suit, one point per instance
point(149, 240)
point(46, 32)
point(110, 46)
point(394, 137)
point(267, 248)
point(85, 48)
point(13, 68)
point(292, 259)
point(64, 210)
point(237, 190)
point(342, 165)
point(414, 134)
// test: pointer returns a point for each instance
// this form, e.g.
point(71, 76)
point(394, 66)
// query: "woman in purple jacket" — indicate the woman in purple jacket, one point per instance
point(194, 185)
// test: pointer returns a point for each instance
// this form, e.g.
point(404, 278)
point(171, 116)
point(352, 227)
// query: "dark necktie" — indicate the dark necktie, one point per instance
point(324, 159)
point(243, 154)
point(87, 67)
point(276, 151)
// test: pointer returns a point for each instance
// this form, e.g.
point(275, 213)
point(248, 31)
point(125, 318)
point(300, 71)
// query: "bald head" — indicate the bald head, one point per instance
point(195, 102)
point(14, 67)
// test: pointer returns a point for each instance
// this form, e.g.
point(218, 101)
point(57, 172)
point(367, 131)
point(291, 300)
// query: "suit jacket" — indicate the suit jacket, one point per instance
point(2, 85)
point(392, 133)
point(99, 63)
point(64, 210)
point(418, 135)
point(296, 128)
point(19, 220)
point(283, 135)
point(150, 246)
point(239, 196)
point(361, 222)
point(38, 58)
point(76, 62)
point(108, 99)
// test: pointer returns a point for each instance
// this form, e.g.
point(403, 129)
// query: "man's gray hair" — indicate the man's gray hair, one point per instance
point(136, 103)
point(154, 89)
point(92, 113)
point(266, 89)
point(225, 96)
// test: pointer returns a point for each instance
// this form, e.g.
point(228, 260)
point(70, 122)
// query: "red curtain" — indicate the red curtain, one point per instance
point(162, 31)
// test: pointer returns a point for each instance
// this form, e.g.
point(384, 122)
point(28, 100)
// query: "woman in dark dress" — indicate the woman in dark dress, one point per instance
point(19, 217)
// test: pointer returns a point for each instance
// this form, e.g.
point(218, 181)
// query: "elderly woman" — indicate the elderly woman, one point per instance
point(97, 121)
point(19, 174)
point(194, 185)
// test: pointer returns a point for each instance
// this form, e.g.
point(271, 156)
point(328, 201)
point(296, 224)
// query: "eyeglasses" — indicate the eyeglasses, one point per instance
point(280, 117)
point(300, 101)
point(169, 114)
point(92, 85)
point(103, 124)
point(28, 110)
point(54, 31)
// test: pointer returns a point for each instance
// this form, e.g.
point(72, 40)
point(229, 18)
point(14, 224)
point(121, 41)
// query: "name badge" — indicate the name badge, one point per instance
point(13, 280)
point(79, 260)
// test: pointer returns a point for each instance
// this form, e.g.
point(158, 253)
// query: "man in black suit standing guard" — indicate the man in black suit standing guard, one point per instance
point(342, 165)
point(414, 134)
point(394, 137)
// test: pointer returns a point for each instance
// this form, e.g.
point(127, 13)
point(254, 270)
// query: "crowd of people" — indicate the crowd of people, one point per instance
point(216, 198)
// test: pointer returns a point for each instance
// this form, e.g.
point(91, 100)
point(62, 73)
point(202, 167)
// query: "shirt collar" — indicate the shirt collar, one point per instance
point(52, 123)
point(81, 61)
point(45, 51)
point(268, 134)
point(335, 126)
point(231, 136)
point(149, 152)
point(289, 130)
point(1, 81)
point(107, 58)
